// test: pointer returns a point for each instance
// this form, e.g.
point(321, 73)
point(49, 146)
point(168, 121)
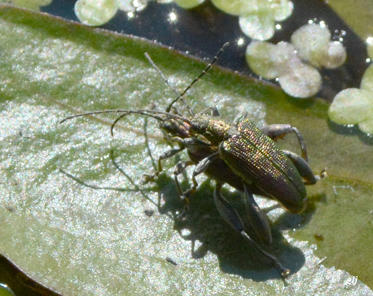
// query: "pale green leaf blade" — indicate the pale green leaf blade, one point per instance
point(82, 241)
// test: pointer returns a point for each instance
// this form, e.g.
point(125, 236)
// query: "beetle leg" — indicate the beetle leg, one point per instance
point(180, 168)
point(257, 218)
point(302, 166)
point(189, 141)
point(214, 112)
point(271, 208)
point(225, 210)
point(230, 215)
point(275, 131)
point(199, 169)
point(165, 155)
point(239, 118)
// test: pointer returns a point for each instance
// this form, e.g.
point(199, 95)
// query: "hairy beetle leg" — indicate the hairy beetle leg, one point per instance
point(271, 208)
point(284, 272)
point(230, 215)
point(257, 218)
point(179, 169)
point(276, 131)
point(239, 118)
point(303, 167)
point(200, 168)
point(212, 111)
point(323, 174)
point(165, 155)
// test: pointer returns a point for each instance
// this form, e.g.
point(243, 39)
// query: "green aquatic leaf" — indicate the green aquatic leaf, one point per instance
point(357, 14)
point(82, 241)
point(29, 4)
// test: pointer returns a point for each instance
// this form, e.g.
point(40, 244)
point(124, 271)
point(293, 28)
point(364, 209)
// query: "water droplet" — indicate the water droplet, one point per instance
point(339, 35)
point(369, 41)
point(322, 24)
point(185, 232)
point(240, 41)
point(172, 17)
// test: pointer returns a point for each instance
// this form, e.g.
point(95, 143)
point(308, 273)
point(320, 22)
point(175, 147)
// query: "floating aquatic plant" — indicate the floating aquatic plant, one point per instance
point(281, 61)
point(313, 44)
point(355, 105)
point(99, 12)
point(257, 17)
point(293, 64)
point(95, 13)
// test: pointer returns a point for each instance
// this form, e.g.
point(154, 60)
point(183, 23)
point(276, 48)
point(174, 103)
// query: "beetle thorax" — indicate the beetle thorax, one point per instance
point(213, 130)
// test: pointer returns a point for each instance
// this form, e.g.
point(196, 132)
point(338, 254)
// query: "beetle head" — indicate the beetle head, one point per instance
point(199, 125)
point(175, 127)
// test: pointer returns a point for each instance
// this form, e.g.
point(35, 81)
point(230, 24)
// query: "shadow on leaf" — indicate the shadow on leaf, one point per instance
point(205, 228)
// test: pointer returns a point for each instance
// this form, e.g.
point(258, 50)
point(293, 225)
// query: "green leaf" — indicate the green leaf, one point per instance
point(357, 14)
point(82, 241)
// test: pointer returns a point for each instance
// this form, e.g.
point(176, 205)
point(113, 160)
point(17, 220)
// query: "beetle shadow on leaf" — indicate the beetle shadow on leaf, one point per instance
point(294, 221)
point(202, 225)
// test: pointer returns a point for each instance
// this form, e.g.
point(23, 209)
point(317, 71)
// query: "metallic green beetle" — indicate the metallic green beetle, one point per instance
point(248, 159)
point(239, 154)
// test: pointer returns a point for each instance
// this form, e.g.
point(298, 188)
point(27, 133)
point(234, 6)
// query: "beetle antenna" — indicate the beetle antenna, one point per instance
point(143, 112)
point(151, 113)
point(207, 68)
point(146, 112)
point(164, 78)
point(115, 122)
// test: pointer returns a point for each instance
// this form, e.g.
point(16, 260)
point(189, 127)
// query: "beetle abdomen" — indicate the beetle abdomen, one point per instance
point(256, 159)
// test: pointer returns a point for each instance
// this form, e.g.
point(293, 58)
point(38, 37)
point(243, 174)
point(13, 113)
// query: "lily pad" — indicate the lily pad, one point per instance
point(82, 241)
